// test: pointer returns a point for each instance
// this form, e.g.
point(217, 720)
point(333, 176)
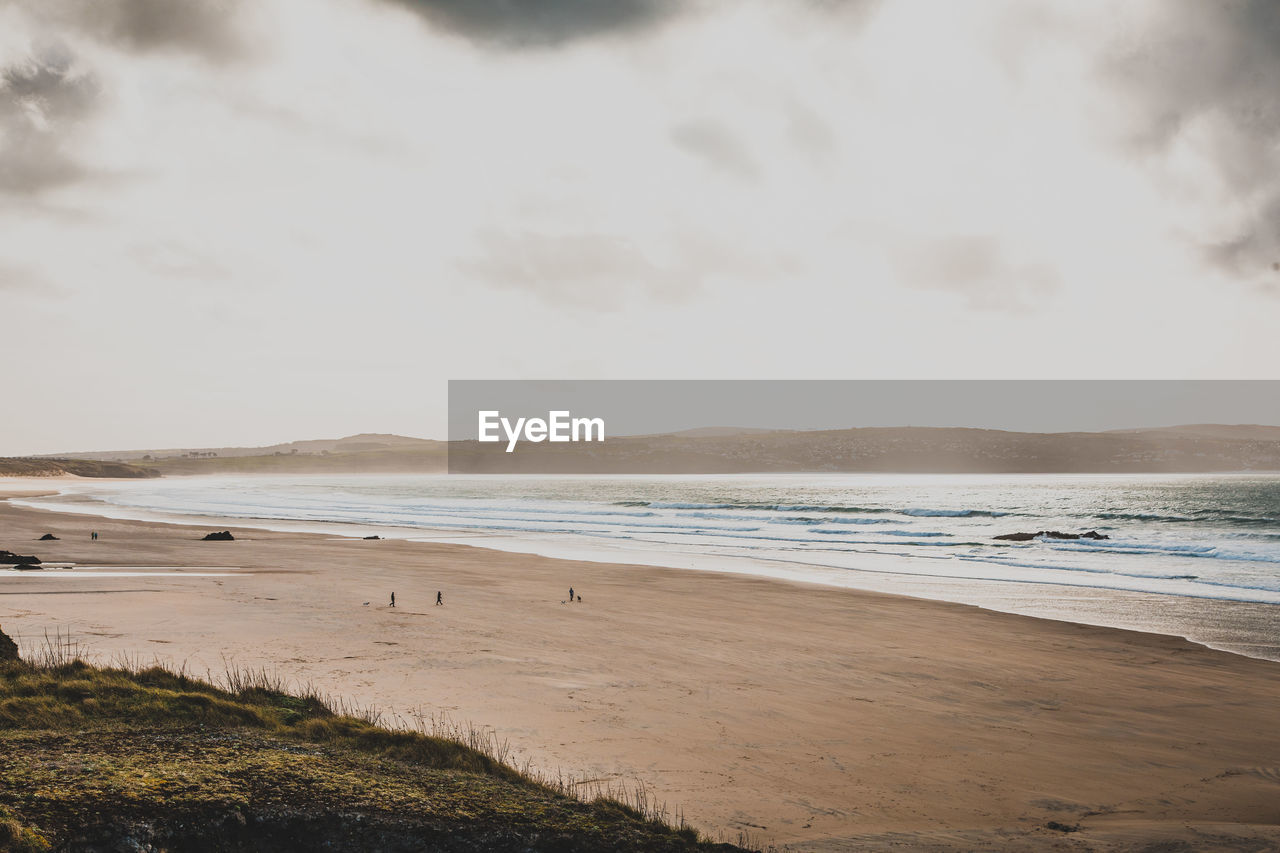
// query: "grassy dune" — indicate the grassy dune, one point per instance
point(431, 460)
point(11, 467)
point(122, 758)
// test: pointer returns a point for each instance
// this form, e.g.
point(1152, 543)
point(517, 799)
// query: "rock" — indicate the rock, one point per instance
point(48, 537)
point(8, 648)
point(1051, 534)
point(27, 567)
point(373, 537)
point(221, 536)
point(10, 557)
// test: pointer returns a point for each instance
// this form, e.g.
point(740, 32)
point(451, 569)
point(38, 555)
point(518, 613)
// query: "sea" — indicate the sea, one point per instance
point(1197, 556)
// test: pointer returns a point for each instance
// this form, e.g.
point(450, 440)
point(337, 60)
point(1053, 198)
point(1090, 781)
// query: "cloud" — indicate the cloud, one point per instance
point(172, 259)
point(540, 23)
point(21, 280)
point(601, 271)
point(976, 267)
point(1256, 248)
point(809, 132)
point(42, 101)
point(588, 270)
point(712, 143)
point(1202, 80)
point(47, 100)
point(207, 28)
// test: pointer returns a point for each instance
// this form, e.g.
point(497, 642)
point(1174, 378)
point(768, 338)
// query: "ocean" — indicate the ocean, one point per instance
point(1197, 556)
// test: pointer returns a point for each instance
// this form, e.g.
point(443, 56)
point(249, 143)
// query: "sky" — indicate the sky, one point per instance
point(229, 222)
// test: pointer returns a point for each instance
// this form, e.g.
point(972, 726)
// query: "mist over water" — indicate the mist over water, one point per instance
point(1173, 540)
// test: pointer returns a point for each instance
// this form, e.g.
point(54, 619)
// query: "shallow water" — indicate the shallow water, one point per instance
point(1192, 555)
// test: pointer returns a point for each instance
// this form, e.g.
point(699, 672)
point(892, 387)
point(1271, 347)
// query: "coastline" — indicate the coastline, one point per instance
point(1220, 621)
point(886, 719)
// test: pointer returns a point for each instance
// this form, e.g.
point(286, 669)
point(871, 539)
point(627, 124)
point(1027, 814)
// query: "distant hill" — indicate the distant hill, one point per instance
point(1191, 448)
point(1233, 432)
point(720, 432)
point(893, 450)
point(349, 444)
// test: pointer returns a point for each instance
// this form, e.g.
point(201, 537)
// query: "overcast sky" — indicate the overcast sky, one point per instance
point(246, 222)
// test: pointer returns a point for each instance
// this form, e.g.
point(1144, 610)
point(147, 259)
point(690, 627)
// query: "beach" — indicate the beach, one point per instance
point(789, 713)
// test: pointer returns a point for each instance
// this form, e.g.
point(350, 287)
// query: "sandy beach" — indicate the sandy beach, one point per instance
point(801, 715)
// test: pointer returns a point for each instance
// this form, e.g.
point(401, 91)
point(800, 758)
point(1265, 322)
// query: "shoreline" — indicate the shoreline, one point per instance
point(858, 719)
point(1197, 619)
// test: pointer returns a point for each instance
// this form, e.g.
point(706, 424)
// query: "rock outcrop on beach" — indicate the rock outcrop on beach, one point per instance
point(48, 537)
point(373, 537)
point(220, 536)
point(8, 648)
point(10, 557)
point(1051, 534)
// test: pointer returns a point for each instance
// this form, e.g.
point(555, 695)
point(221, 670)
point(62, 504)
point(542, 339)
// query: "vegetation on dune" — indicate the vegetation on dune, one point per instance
point(428, 460)
point(95, 758)
point(15, 467)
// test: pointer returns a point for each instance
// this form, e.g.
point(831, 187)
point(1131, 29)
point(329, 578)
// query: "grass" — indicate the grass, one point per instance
point(128, 754)
point(13, 467)
point(389, 460)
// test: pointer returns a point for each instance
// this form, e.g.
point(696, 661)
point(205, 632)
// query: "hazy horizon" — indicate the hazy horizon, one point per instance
point(715, 428)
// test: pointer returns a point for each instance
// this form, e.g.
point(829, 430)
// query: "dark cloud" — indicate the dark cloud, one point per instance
point(42, 101)
point(45, 101)
point(1212, 69)
point(716, 146)
point(208, 28)
point(976, 267)
point(540, 23)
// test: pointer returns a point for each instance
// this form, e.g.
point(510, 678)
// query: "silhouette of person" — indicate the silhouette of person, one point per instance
point(393, 599)
point(570, 595)
point(439, 597)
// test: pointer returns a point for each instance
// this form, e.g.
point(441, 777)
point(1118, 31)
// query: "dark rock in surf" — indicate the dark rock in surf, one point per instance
point(373, 537)
point(48, 537)
point(1051, 534)
point(10, 557)
point(27, 567)
point(221, 536)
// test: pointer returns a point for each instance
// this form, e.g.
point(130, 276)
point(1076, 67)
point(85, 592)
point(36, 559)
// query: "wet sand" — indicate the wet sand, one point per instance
point(827, 719)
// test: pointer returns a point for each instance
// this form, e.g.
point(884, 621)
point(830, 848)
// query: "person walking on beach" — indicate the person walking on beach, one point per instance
point(393, 599)
point(439, 597)
point(571, 595)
